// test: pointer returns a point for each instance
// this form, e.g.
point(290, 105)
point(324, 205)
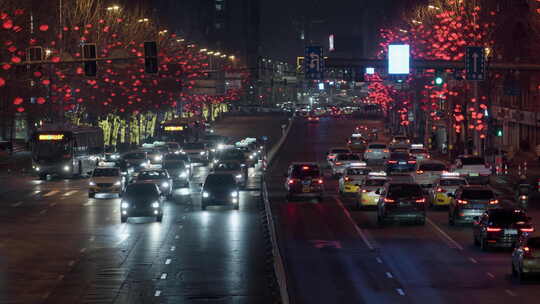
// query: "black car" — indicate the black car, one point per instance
point(500, 228)
point(141, 200)
point(178, 157)
point(179, 172)
point(401, 201)
point(400, 162)
point(304, 180)
point(220, 189)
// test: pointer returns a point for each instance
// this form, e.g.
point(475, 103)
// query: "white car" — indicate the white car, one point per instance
point(196, 151)
point(473, 168)
point(376, 151)
point(400, 140)
point(428, 171)
point(106, 180)
point(332, 153)
point(345, 160)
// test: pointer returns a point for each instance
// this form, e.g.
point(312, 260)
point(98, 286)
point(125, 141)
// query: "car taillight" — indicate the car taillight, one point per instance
point(419, 172)
point(392, 162)
point(493, 202)
point(493, 229)
point(441, 189)
point(320, 181)
point(291, 181)
point(349, 142)
point(389, 200)
point(530, 229)
point(527, 251)
point(339, 163)
point(386, 151)
point(411, 162)
point(422, 200)
point(462, 202)
point(428, 156)
point(364, 191)
point(369, 150)
point(347, 179)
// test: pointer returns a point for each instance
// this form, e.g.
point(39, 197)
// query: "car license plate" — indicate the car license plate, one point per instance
point(402, 163)
point(510, 231)
point(473, 174)
point(305, 189)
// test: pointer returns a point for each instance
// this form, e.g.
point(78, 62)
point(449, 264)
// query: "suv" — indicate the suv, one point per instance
point(220, 189)
point(428, 171)
point(401, 201)
point(400, 162)
point(500, 227)
point(474, 168)
point(469, 202)
point(526, 257)
point(304, 180)
point(376, 152)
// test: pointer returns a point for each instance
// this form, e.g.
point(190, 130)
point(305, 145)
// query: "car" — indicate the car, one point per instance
point(401, 201)
point(159, 177)
point(367, 193)
point(419, 152)
point(220, 189)
point(304, 179)
point(474, 168)
point(345, 160)
point(500, 227)
point(174, 157)
point(356, 143)
point(526, 257)
point(173, 147)
point(106, 180)
point(333, 152)
point(469, 202)
point(400, 140)
point(137, 160)
point(233, 154)
point(428, 171)
point(235, 168)
point(196, 151)
point(400, 162)
point(141, 199)
point(313, 119)
point(350, 181)
point(179, 171)
point(376, 152)
point(445, 186)
point(155, 154)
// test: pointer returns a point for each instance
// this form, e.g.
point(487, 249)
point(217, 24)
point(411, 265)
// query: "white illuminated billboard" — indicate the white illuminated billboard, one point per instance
point(399, 59)
point(370, 71)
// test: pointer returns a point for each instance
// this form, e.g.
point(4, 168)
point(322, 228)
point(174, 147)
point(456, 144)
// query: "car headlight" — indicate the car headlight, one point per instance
point(115, 156)
point(216, 161)
point(38, 168)
point(118, 183)
point(165, 184)
point(184, 174)
point(67, 168)
point(234, 193)
point(124, 205)
point(213, 150)
point(158, 158)
point(221, 146)
point(242, 165)
point(155, 205)
point(91, 183)
point(143, 164)
point(205, 194)
point(251, 157)
point(239, 176)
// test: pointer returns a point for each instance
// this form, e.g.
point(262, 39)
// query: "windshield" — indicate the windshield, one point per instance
point(228, 166)
point(220, 180)
point(335, 151)
point(135, 155)
point(305, 172)
point(52, 150)
point(452, 182)
point(432, 167)
point(193, 146)
point(232, 154)
point(375, 182)
point(156, 174)
point(418, 151)
point(354, 171)
point(348, 157)
point(405, 190)
point(477, 194)
point(138, 190)
point(101, 172)
point(174, 165)
point(377, 146)
point(469, 161)
point(175, 157)
point(399, 155)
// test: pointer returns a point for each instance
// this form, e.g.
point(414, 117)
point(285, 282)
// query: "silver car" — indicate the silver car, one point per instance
point(376, 152)
point(345, 160)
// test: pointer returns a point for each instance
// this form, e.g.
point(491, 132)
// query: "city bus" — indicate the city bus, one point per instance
point(179, 130)
point(66, 151)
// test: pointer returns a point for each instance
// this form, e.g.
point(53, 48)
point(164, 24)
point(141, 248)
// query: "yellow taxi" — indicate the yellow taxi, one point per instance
point(447, 184)
point(349, 182)
point(368, 193)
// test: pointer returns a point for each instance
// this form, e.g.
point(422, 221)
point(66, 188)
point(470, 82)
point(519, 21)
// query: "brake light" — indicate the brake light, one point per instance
point(320, 181)
point(347, 178)
point(364, 191)
point(527, 249)
point(305, 168)
point(291, 181)
point(441, 189)
point(386, 151)
point(493, 229)
point(493, 202)
point(389, 200)
point(428, 156)
point(422, 200)
point(392, 161)
point(369, 150)
point(530, 229)
point(419, 172)
point(349, 142)
point(462, 202)
point(412, 162)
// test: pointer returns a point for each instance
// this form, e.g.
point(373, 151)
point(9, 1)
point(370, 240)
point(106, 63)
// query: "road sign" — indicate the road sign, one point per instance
point(475, 63)
point(314, 63)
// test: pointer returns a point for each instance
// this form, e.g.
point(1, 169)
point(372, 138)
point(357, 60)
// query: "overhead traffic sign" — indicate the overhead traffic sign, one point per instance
point(475, 63)
point(314, 63)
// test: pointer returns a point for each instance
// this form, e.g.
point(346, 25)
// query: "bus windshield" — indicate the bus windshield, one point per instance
point(51, 150)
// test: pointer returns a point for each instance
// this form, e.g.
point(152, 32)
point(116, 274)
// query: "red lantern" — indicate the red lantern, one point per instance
point(17, 101)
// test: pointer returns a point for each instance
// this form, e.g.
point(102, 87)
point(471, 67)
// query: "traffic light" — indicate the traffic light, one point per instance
point(150, 57)
point(499, 132)
point(89, 52)
point(439, 79)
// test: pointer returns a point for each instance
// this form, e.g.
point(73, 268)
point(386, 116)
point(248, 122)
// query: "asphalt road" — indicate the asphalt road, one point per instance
point(334, 253)
point(59, 246)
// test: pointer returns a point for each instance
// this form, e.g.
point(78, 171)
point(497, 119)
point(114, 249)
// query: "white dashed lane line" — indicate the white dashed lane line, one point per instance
point(489, 274)
point(157, 293)
point(70, 192)
point(400, 291)
point(50, 193)
point(167, 261)
point(163, 276)
point(510, 293)
point(17, 204)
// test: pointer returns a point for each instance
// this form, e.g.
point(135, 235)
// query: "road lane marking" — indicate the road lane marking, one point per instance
point(50, 193)
point(473, 260)
point(17, 204)
point(378, 260)
point(163, 276)
point(358, 230)
point(43, 211)
point(60, 277)
point(92, 238)
point(70, 192)
point(167, 261)
point(400, 291)
point(46, 295)
point(87, 204)
point(82, 250)
point(446, 236)
point(52, 204)
point(510, 293)
point(489, 274)
point(173, 248)
point(389, 275)
point(177, 237)
point(157, 293)
point(71, 263)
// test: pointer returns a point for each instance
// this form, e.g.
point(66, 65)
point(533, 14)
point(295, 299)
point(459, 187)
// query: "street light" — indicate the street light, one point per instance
point(210, 52)
point(113, 8)
point(203, 50)
point(433, 7)
point(143, 20)
point(217, 53)
point(232, 57)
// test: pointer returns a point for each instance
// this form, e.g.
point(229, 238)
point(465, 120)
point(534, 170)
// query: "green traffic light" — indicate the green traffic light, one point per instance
point(439, 80)
point(499, 133)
